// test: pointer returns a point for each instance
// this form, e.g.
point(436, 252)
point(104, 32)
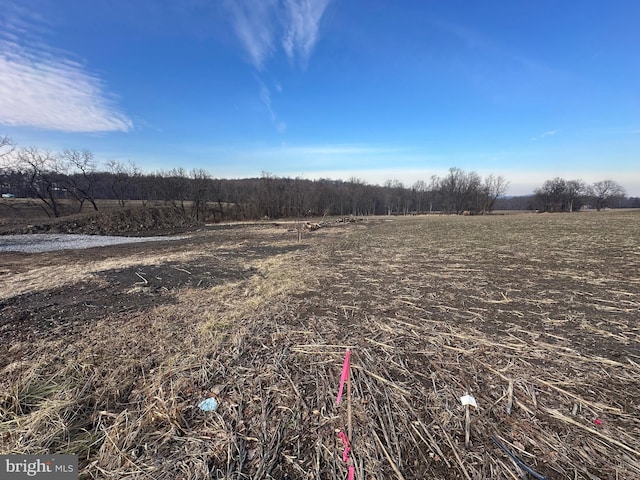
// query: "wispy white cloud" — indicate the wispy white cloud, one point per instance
point(265, 97)
point(545, 134)
point(303, 24)
point(258, 23)
point(43, 87)
point(254, 23)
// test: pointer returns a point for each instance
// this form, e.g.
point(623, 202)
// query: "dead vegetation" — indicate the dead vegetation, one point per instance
point(535, 316)
point(18, 215)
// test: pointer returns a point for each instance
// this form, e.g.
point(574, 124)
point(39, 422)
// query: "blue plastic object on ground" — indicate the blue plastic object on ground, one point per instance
point(208, 405)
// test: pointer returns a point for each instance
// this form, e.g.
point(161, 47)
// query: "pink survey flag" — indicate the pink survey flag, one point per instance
point(345, 456)
point(352, 472)
point(345, 375)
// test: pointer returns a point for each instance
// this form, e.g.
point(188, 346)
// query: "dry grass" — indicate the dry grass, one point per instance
point(42, 278)
point(535, 316)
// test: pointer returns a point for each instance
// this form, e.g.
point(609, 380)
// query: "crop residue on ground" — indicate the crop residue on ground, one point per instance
point(535, 316)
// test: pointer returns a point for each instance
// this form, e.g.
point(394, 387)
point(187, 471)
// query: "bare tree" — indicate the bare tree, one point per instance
point(222, 197)
point(396, 197)
point(81, 176)
point(419, 189)
point(299, 198)
point(176, 187)
point(122, 178)
point(267, 195)
point(459, 190)
point(200, 183)
point(404, 198)
point(7, 147)
point(356, 194)
point(492, 188)
point(605, 193)
point(325, 197)
point(433, 191)
point(574, 191)
point(551, 195)
point(559, 195)
point(43, 177)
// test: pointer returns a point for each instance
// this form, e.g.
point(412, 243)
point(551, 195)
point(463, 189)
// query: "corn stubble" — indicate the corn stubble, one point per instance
point(535, 316)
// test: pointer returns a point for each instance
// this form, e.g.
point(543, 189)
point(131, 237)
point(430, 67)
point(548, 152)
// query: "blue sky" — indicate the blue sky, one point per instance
point(331, 88)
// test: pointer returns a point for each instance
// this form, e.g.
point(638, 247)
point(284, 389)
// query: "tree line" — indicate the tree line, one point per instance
point(57, 179)
point(74, 179)
point(560, 195)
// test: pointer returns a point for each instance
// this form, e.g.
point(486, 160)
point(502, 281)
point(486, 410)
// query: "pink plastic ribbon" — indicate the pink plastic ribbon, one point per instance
point(345, 440)
point(345, 455)
point(344, 376)
point(352, 472)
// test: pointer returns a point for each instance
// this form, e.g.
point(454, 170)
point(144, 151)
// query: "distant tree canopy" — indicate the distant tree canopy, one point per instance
point(605, 193)
point(560, 195)
point(73, 178)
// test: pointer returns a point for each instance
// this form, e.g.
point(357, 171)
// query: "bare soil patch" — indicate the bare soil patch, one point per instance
point(108, 356)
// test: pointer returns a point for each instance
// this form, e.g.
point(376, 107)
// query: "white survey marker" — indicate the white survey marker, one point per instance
point(468, 400)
